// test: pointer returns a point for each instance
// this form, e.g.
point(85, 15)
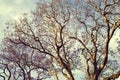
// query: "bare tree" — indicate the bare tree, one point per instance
point(20, 61)
point(61, 34)
point(97, 26)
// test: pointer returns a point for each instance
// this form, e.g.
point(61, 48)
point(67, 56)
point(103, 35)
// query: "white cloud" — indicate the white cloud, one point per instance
point(113, 43)
point(19, 1)
point(11, 9)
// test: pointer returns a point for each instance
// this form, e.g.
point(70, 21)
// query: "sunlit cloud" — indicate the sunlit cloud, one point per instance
point(11, 9)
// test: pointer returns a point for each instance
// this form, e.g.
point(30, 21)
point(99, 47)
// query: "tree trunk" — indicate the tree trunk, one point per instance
point(29, 75)
point(70, 73)
point(54, 74)
point(96, 77)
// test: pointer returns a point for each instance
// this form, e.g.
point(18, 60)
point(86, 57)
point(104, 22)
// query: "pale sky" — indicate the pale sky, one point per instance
point(10, 9)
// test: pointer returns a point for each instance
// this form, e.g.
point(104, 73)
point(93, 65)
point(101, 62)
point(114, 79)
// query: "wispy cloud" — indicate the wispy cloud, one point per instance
point(15, 7)
point(9, 9)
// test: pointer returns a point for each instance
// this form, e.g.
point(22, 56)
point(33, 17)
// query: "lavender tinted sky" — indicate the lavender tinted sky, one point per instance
point(11, 9)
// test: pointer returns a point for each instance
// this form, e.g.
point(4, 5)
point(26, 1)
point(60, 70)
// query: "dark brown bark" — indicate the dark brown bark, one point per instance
point(24, 75)
point(2, 77)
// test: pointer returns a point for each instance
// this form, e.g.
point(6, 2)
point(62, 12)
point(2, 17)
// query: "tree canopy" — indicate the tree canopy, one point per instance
point(61, 36)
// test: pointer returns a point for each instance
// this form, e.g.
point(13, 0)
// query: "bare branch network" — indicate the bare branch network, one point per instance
point(60, 37)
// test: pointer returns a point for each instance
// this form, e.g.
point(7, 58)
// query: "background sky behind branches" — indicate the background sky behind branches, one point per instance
point(11, 9)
